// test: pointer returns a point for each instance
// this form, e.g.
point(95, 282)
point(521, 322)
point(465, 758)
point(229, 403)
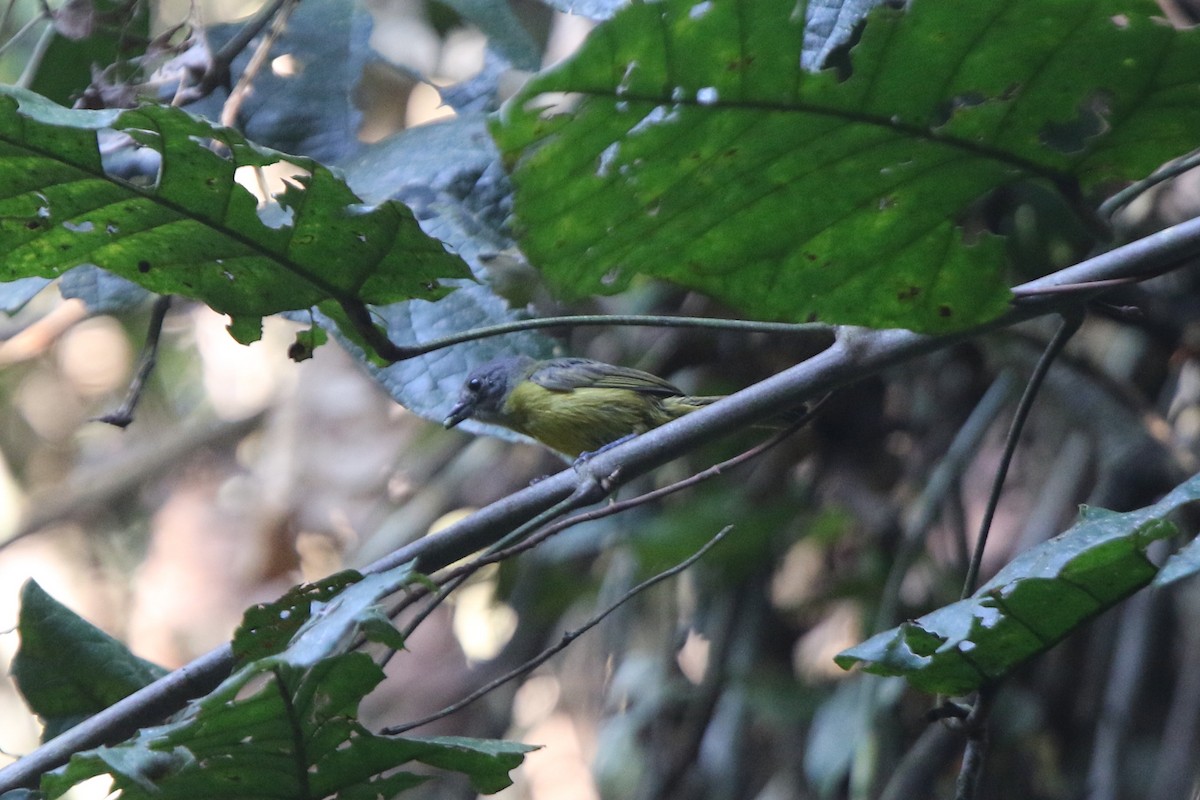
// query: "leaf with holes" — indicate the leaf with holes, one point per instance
point(150, 194)
point(684, 141)
point(1033, 603)
point(286, 725)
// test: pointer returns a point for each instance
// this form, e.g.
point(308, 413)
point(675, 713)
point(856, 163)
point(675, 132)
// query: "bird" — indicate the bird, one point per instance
point(575, 406)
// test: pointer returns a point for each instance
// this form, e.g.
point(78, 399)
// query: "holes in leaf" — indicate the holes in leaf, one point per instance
point(125, 158)
point(277, 188)
point(1072, 136)
point(607, 156)
point(551, 104)
point(948, 108)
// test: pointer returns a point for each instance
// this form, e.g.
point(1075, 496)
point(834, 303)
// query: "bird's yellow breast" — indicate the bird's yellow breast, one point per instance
point(582, 420)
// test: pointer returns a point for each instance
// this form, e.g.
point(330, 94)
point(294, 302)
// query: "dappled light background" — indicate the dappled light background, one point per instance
point(245, 473)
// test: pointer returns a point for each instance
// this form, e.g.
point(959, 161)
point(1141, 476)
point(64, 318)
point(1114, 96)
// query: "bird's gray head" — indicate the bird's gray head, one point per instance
point(485, 390)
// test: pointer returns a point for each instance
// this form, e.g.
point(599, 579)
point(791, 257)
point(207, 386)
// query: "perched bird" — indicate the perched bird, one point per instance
point(572, 405)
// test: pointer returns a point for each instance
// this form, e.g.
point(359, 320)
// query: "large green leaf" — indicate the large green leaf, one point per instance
point(191, 229)
point(685, 142)
point(286, 726)
point(1033, 603)
point(448, 173)
point(68, 669)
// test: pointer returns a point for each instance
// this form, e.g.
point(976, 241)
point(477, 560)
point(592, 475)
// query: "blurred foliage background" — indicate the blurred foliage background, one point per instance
point(245, 472)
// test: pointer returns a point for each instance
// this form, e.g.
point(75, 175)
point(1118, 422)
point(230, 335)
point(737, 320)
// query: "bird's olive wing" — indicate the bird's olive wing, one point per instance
point(567, 374)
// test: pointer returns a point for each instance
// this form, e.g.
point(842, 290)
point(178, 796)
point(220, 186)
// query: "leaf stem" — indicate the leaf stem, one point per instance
point(123, 415)
point(584, 320)
point(567, 638)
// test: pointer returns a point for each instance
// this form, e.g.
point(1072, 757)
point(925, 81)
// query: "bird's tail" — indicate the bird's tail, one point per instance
point(685, 404)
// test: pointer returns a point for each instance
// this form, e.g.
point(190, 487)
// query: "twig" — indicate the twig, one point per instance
point(567, 639)
point(1071, 322)
point(237, 96)
point(975, 753)
point(942, 482)
point(634, 320)
point(34, 62)
point(218, 71)
point(1134, 190)
point(1068, 288)
point(585, 494)
point(922, 762)
point(518, 541)
point(97, 488)
point(123, 416)
point(1122, 695)
point(497, 554)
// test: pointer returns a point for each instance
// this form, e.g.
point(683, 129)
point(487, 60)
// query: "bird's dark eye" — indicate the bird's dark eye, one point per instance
point(474, 385)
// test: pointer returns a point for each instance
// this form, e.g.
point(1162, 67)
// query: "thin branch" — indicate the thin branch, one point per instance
point(586, 493)
point(238, 94)
point(648, 320)
point(359, 317)
point(1136, 189)
point(100, 487)
point(519, 541)
point(34, 62)
point(218, 71)
point(1068, 288)
point(855, 355)
point(976, 724)
point(1070, 324)
point(943, 481)
point(567, 639)
point(123, 415)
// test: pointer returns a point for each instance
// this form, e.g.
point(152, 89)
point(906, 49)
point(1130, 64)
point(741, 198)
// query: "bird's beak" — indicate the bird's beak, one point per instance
point(462, 410)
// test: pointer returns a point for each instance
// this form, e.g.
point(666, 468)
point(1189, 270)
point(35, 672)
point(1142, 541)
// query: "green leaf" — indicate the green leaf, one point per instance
point(1029, 606)
point(68, 669)
point(195, 231)
point(286, 726)
point(687, 144)
point(267, 628)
